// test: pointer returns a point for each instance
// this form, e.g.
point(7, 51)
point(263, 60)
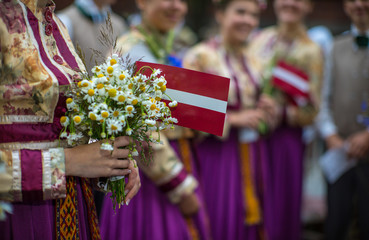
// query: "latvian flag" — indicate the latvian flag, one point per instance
point(292, 81)
point(202, 98)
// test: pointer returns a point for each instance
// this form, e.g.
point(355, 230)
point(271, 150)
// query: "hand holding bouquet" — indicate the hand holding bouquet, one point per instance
point(117, 101)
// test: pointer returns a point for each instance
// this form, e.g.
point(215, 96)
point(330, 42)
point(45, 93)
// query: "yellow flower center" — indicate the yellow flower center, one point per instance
point(112, 92)
point(104, 114)
point(69, 100)
point(91, 92)
point(129, 109)
point(116, 114)
point(122, 76)
point(142, 88)
point(100, 86)
point(157, 98)
point(79, 84)
point(97, 69)
point(93, 117)
point(121, 98)
point(130, 86)
point(85, 84)
point(110, 70)
point(113, 127)
point(77, 119)
point(160, 84)
point(100, 75)
point(153, 107)
point(134, 102)
point(63, 119)
point(113, 61)
point(163, 88)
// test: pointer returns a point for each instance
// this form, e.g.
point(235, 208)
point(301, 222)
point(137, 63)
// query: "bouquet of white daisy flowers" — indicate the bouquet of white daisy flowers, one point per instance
point(117, 101)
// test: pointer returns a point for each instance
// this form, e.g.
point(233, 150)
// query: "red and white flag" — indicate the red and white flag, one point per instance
point(202, 98)
point(292, 81)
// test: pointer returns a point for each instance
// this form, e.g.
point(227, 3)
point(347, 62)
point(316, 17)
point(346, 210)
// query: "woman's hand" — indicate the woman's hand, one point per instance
point(272, 110)
point(189, 205)
point(91, 162)
point(358, 145)
point(134, 181)
point(246, 118)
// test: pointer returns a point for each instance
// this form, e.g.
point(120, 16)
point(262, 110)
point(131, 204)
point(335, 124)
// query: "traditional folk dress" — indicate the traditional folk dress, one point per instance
point(228, 172)
point(37, 63)
point(153, 213)
point(282, 197)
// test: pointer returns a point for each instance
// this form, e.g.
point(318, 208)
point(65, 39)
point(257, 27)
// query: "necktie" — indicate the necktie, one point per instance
point(362, 41)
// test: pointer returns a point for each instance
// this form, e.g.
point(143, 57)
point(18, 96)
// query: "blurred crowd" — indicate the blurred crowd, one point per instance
point(293, 161)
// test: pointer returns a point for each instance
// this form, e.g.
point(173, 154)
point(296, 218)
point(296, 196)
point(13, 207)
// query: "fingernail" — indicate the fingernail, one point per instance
point(127, 201)
point(129, 171)
point(126, 192)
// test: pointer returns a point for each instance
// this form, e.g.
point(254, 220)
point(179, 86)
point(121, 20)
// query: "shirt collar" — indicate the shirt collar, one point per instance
point(89, 7)
point(355, 32)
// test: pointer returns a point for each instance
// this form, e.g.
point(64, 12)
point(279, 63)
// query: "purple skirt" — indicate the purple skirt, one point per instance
point(36, 221)
point(221, 179)
point(283, 184)
point(150, 215)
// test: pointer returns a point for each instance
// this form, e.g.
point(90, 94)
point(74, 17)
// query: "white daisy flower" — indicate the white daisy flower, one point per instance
point(64, 121)
point(121, 97)
point(114, 126)
point(100, 89)
point(156, 73)
point(135, 153)
point(64, 135)
point(173, 104)
point(130, 109)
point(78, 119)
point(129, 131)
point(90, 96)
point(70, 104)
point(106, 146)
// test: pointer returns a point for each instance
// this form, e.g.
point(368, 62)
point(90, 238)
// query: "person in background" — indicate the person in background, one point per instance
point(169, 204)
point(345, 88)
point(85, 19)
point(228, 176)
point(290, 43)
point(50, 184)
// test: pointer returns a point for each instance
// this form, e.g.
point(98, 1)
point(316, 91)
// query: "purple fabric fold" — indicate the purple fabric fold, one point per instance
point(35, 221)
point(31, 165)
point(150, 215)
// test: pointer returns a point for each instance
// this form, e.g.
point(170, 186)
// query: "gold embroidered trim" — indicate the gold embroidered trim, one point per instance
point(17, 176)
point(46, 174)
point(177, 168)
point(33, 145)
point(8, 119)
point(186, 187)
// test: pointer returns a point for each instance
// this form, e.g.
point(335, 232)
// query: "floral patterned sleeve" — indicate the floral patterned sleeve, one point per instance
point(35, 174)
